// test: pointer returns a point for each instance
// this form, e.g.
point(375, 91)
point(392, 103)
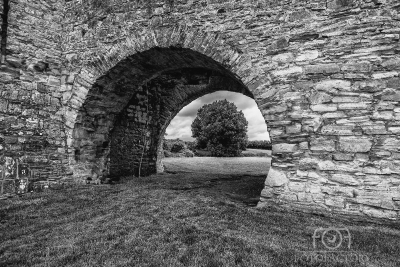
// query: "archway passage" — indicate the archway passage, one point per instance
point(120, 125)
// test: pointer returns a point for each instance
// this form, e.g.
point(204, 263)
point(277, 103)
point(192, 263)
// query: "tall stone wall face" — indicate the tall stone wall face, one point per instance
point(31, 128)
point(324, 73)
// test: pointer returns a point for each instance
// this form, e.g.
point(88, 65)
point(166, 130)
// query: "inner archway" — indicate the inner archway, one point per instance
point(120, 125)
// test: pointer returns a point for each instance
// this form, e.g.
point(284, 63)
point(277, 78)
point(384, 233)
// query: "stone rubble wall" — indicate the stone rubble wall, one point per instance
point(324, 73)
point(31, 126)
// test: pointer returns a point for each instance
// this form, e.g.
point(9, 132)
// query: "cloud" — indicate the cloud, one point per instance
point(180, 125)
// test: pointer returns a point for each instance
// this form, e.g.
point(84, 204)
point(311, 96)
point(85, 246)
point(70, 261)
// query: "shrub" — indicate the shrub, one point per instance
point(178, 147)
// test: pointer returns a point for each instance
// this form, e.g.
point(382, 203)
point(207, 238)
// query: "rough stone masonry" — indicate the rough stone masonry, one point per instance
point(89, 87)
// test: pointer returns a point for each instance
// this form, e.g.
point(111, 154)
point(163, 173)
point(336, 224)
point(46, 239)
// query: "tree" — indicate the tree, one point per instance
point(221, 128)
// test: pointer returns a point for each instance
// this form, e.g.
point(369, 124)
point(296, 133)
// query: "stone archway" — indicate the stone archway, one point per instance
point(331, 142)
point(125, 113)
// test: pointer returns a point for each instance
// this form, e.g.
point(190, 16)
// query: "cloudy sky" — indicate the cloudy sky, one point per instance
point(180, 125)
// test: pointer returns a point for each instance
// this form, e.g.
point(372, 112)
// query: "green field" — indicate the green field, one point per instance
point(242, 165)
point(190, 216)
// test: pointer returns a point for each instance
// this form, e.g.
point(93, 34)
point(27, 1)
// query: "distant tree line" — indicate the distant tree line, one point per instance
point(259, 144)
point(176, 146)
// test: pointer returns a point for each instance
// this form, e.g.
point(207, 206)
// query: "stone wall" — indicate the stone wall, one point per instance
point(31, 127)
point(324, 73)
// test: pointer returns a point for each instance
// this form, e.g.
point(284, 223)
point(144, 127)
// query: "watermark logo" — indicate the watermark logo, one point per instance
point(332, 238)
point(331, 245)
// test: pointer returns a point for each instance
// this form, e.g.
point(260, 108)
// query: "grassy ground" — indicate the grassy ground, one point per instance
point(235, 166)
point(181, 219)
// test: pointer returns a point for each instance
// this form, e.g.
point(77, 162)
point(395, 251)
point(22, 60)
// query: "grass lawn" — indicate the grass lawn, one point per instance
point(184, 218)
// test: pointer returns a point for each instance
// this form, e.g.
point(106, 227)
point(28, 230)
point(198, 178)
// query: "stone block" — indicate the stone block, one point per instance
point(274, 109)
point(330, 85)
point(354, 144)
point(337, 130)
point(308, 55)
point(391, 63)
point(395, 130)
point(288, 71)
point(357, 67)
point(303, 146)
point(267, 193)
point(10, 139)
point(391, 144)
point(284, 148)
point(345, 99)
point(322, 144)
point(354, 106)
point(393, 83)
point(324, 107)
point(343, 157)
point(320, 97)
point(380, 213)
point(374, 129)
point(345, 179)
point(322, 68)
point(384, 75)
point(276, 178)
point(383, 115)
point(292, 197)
point(276, 132)
point(337, 202)
point(334, 115)
point(291, 129)
point(283, 58)
point(327, 165)
point(296, 187)
point(305, 197)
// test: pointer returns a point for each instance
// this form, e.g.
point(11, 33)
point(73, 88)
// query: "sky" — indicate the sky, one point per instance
point(180, 125)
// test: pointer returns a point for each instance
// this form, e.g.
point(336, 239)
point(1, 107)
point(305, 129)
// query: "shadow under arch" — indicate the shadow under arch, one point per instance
point(125, 113)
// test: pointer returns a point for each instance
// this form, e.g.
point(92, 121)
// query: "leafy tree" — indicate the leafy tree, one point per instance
point(221, 128)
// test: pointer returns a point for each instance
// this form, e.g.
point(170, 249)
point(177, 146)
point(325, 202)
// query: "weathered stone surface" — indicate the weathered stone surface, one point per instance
point(354, 144)
point(284, 148)
point(343, 157)
point(322, 68)
point(383, 115)
point(293, 129)
point(288, 71)
point(320, 97)
point(344, 179)
point(384, 75)
point(329, 85)
point(322, 144)
point(308, 55)
point(324, 107)
point(337, 130)
point(276, 178)
point(374, 129)
point(353, 106)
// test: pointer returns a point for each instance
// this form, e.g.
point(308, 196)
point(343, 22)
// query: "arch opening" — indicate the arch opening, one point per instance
point(121, 124)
